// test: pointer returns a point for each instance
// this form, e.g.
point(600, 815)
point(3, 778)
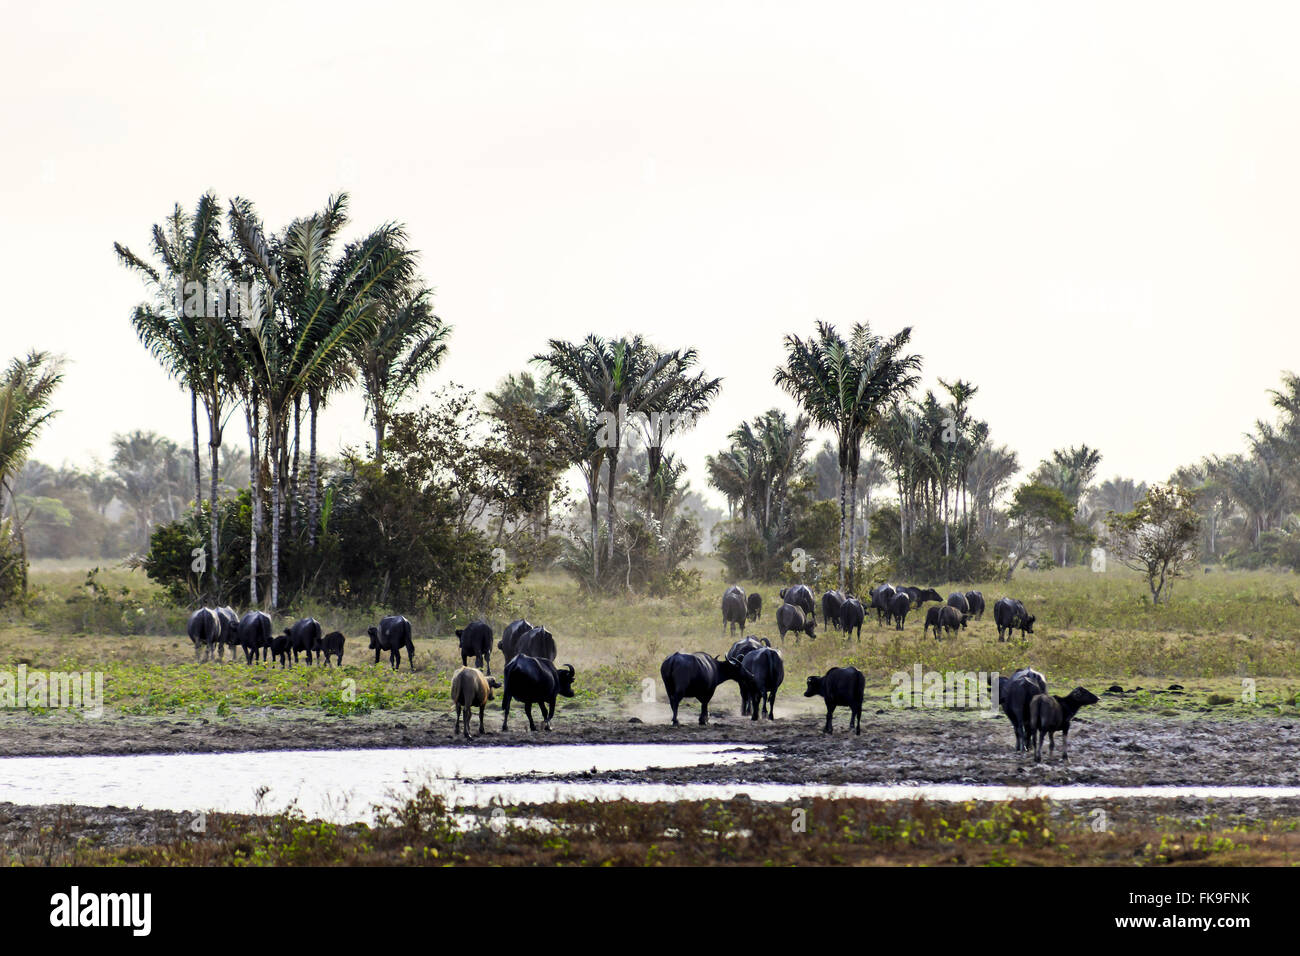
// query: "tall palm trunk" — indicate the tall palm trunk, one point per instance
point(255, 489)
point(274, 442)
point(844, 531)
point(214, 448)
point(610, 512)
point(313, 475)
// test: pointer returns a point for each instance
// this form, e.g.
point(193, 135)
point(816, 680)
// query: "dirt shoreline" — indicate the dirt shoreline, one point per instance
point(895, 747)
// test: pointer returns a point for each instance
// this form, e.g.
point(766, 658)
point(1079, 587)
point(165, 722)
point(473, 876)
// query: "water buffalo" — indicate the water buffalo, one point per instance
point(851, 616)
point(754, 604)
point(958, 600)
point(831, 602)
point(470, 689)
point(840, 687)
point(790, 617)
point(509, 642)
point(533, 680)
point(229, 631)
point(1014, 694)
point(739, 651)
point(1009, 615)
point(304, 637)
point(281, 644)
point(476, 640)
point(698, 675)
point(204, 629)
point(744, 646)
point(882, 599)
point(898, 608)
point(393, 633)
point(950, 619)
point(766, 670)
point(931, 621)
point(1048, 714)
point(332, 643)
point(976, 602)
point(538, 642)
point(733, 609)
point(255, 634)
point(920, 595)
point(801, 596)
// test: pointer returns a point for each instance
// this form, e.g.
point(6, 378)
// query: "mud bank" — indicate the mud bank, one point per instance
point(894, 747)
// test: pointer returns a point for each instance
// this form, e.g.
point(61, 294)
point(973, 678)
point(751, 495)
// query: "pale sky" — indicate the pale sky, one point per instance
point(1088, 210)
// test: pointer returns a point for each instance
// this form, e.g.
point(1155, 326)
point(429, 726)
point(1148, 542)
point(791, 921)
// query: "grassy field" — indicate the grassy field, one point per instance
point(1092, 629)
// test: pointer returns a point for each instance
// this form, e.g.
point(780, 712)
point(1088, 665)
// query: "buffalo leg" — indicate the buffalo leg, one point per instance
point(481, 731)
point(673, 702)
point(505, 710)
point(528, 710)
point(857, 720)
point(830, 711)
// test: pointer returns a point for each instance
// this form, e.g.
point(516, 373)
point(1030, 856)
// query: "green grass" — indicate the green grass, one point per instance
point(1092, 629)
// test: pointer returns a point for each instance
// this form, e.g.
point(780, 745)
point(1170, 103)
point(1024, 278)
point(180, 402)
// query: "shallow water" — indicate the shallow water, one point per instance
point(344, 785)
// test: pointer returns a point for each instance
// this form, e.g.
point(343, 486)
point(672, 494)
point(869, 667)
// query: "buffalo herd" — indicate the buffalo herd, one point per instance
point(531, 676)
point(797, 613)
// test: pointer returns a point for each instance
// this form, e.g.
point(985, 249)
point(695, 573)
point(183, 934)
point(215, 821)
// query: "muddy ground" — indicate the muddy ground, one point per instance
point(895, 746)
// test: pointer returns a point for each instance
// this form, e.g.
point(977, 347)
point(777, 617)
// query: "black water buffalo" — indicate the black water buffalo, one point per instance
point(831, 602)
point(976, 602)
point(1009, 615)
point(538, 642)
point(790, 617)
point(745, 646)
point(958, 600)
point(393, 633)
point(255, 634)
point(766, 670)
point(882, 599)
point(851, 616)
point(533, 680)
point(754, 604)
point(229, 631)
point(304, 637)
point(1048, 714)
point(801, 596)
point(920, 595)
point(899, 605)
point(510, 638)
point(1014, 694)
point(739, 651)
point(840, 687)
point(931, 621)
point(281, 645)
point(698, 675)
point(332, 643)
point(733, 609)
point(476, 641)
point(204, 629)
point(470, 689)
point(950, 619)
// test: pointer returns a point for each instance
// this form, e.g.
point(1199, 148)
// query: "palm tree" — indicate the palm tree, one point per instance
point(845, 386)
point(26, 390)
point(988, 475)
point(192, 348)
point(408, 342)
point(320, 310)
point(610, 379)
